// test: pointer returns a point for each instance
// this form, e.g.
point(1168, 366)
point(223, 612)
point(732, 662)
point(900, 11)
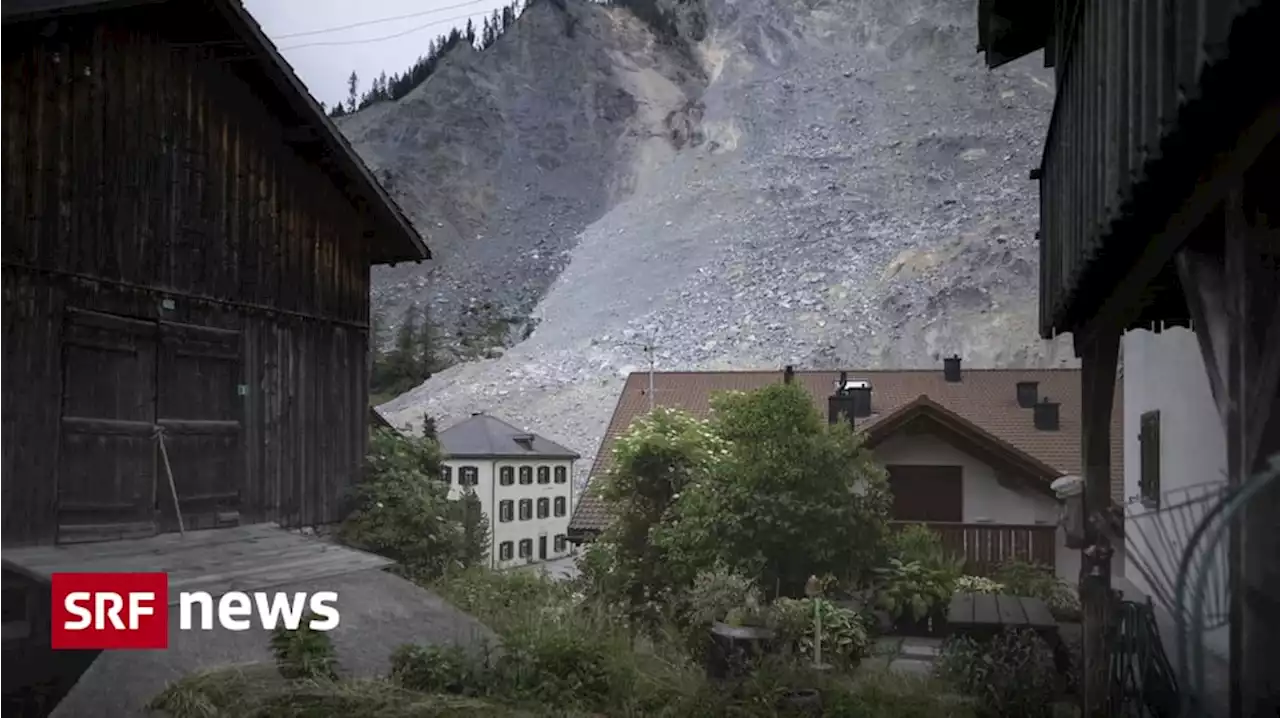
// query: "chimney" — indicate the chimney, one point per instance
point(1046, 415)
point(1028, 393)
point(788, 374)
point(861, 400)
point(951, 368)
point(852, 399)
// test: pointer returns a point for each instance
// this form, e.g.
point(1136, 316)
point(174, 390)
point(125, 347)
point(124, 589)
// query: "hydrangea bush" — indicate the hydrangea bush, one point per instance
point(977, 584)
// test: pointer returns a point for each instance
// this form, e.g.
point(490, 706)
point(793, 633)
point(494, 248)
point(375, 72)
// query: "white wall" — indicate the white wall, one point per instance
point(986, 500)
point(1165, 372)
point(491, 493)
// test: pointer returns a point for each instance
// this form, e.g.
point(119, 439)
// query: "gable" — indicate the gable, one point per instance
point(220, 34)
point(1015, 468)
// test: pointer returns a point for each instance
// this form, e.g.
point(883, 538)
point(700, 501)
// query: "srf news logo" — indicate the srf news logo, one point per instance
point(103, 611)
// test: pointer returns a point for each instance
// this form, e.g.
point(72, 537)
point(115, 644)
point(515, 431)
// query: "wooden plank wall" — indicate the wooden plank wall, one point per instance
point(1125, 71)
point(136, 170)
point(30, 402)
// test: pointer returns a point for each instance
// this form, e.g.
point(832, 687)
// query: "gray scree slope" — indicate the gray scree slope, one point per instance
point(820, 183)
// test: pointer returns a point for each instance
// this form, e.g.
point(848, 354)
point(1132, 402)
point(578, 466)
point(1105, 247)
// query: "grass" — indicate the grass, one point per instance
point(258, 691)
point(377, 399)
point(561, 657)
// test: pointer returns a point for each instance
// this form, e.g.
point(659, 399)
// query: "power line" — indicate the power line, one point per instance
point(379, 21)
point(402, 33)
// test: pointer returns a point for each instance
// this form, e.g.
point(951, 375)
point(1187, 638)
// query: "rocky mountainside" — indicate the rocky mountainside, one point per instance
point(824, 183)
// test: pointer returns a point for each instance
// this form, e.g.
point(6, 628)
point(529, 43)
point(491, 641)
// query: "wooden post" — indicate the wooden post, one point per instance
point(1229, 288)
point(1099, 354)
point(1252, 262)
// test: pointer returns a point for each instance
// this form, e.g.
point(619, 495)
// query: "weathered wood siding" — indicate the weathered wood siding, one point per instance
point(1134, 125)
point(146, 179)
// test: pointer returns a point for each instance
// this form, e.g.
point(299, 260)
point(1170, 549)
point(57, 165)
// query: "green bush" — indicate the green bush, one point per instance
point(1011, 675)
point(402, 510)
point(977, 584)
point(502, 598)
point(304, 652)
point(439, 669)
point(554, 649)
point(1036, 580)
point(256, 691)
point(912, 591)
point(653, 463)
point(715, 594)
point(560, 663)
point(844, 636)
point(920, 544)
point(787, 496)
point(889, 694)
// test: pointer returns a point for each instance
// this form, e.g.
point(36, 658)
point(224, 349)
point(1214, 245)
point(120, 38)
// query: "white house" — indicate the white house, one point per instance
point(523, 481)
point(1175, 462)
point(972, 453)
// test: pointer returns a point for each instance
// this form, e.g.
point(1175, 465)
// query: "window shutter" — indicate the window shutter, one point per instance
point(1149, 439)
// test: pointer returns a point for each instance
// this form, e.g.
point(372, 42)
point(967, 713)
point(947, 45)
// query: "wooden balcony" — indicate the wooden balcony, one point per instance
point(985, 546)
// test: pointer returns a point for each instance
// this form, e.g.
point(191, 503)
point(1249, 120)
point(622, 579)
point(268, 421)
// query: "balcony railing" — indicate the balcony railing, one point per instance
point(985, 546)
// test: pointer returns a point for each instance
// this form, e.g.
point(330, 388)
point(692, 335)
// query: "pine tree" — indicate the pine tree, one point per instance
point(474, 538)
point(376, 322)
point(405, 355)
point(398, 85)
point(487, 36)
point(426, 364)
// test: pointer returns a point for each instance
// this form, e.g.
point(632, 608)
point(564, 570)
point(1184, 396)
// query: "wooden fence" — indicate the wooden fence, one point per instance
point(985, 546)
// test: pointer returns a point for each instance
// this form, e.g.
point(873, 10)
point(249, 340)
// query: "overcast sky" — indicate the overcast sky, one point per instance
point(324, 60)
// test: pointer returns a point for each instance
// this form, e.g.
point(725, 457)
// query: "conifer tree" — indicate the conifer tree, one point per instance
point(405, 354)
point(426, 357)
point(490, 32)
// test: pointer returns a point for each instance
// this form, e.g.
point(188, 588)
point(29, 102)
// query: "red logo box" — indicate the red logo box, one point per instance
point(103, 611)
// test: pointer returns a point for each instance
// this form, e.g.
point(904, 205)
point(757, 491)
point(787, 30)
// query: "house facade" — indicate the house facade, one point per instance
point(1175, 459)
point(524, 483)
point(972, 453)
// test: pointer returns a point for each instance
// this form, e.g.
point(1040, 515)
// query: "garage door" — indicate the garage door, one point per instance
point(927, 493)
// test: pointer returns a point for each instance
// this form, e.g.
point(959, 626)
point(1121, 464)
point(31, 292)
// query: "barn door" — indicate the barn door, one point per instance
point(106, 470)
point(927, 493)
point(198, 410)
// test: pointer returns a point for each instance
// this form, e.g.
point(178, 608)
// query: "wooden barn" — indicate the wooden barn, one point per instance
point(187, 247)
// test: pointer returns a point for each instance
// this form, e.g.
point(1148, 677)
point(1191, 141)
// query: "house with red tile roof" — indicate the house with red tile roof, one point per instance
point(972, 452)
